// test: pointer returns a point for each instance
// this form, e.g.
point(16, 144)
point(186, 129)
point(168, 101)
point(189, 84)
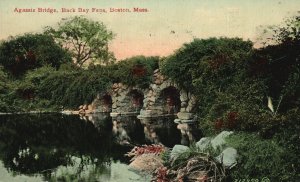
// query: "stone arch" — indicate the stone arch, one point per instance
point(169, 99)
point(135, 98)
point(102, 103)
point(126, 99)
point(106, 102)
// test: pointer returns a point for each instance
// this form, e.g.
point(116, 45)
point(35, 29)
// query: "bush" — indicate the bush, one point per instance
point(260, 158)
point(22, 53)
point(135, 71)
point(71, 89)
point(207, 61)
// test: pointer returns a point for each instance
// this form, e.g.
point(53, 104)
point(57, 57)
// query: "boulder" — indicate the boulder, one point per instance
point(228, 157)
point(147, 163)
point(203, 143)
point(219, 140)
point(178, 150)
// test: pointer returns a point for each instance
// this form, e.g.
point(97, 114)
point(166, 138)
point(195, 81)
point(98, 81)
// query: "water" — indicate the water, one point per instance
point(56, 147)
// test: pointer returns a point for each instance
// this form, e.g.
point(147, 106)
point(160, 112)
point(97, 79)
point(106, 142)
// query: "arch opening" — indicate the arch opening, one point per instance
point(106, 102)
point(136, 100)
point(170, 98)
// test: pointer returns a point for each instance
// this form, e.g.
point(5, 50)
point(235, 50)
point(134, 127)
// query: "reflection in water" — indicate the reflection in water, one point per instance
point(56, 147)
point(161, 130)
point(128, 130)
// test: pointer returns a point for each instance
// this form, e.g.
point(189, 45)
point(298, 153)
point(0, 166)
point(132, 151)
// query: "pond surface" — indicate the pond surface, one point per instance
point(56, 147)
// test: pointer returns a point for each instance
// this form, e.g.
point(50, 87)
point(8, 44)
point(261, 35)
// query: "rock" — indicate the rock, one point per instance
point(184, 127)
point(146, 163)
point(122, 96)
point(183, 104)
point(115, 85)
point(150, 93)
point(145, 100)
point(193, 99)
point(228, 157)
point(120, 85)
point(158, 82)
point(191, 104)
point(151, 99)
point(85, 107)
point(153, 135)
point(189, 108)
point(114, 114)
point(188, 121)
point(153, 86)
point(219, 140)
point(203, 143)
point(156, 71)
point(145, 113)
point(80, 107)
point(183, 96)
point(177, 121)
point(185, 115)
point(90, 107)
point(75, 112)
point(165, 84)
point(177, 150)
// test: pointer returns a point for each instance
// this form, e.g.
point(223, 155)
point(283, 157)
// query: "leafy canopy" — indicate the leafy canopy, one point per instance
point(85, 39)
point(21, 53)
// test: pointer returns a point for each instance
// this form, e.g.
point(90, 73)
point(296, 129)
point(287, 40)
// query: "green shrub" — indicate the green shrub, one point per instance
point(135, 71)
point(260, 158)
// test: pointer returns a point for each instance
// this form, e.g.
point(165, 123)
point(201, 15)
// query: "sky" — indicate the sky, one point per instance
point(166, 26)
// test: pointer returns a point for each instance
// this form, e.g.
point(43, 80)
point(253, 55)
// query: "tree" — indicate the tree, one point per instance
point(85, 39)
point(280, 63)
point(29, 51)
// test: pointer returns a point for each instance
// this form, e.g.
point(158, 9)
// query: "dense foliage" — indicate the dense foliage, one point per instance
point(217, 72)
point(259, 158)
point(70, 86)
point(249, 90)
point(71, 89)
point(21, 53)
point(135, 71)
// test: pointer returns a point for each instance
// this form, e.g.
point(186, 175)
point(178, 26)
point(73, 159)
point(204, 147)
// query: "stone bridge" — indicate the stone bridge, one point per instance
point(163, 98)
